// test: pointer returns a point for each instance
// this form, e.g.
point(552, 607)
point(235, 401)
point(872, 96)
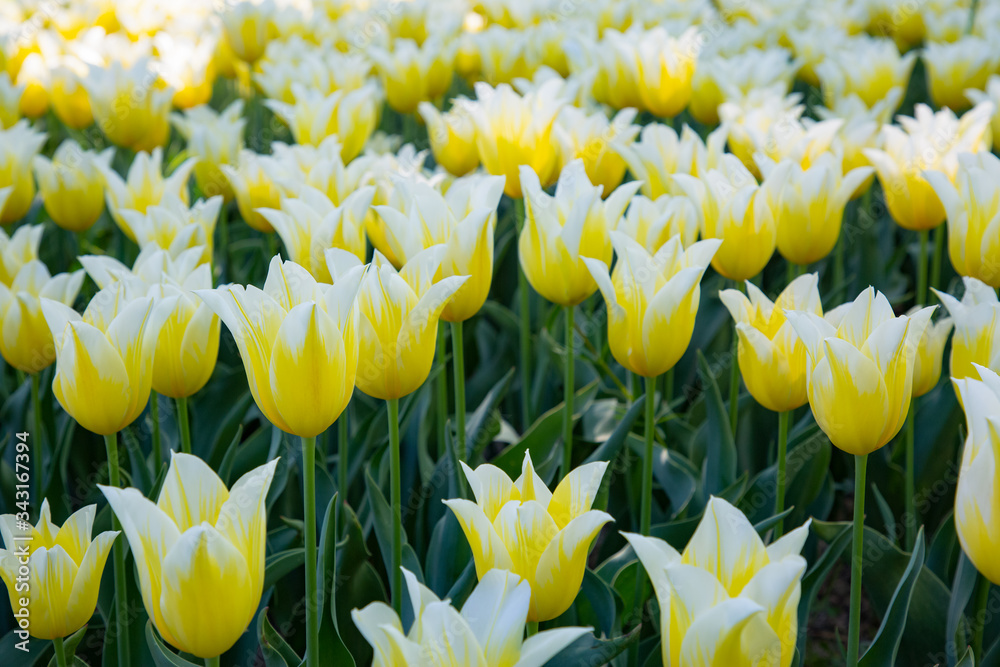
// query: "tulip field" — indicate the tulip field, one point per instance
point(499, 333)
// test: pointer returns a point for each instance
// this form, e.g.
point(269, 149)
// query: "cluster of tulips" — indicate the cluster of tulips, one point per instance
point(632, 147)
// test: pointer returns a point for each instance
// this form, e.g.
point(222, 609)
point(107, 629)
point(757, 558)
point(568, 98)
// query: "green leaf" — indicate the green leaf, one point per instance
point(883, 649)
point(332, 647)
point(720, 462)
point(968, 660)
point(382, 514)
point(962, 587)
point(226, 466)
point(888, 519)
point(274, 648)
point(609, 449)
point(482, 426)
point(768, 523)
point(589, 651)
point(11, 655)
point(815, 577)
point(163, 656)
point(602, 600)
point(282, 563)
point(69, 645)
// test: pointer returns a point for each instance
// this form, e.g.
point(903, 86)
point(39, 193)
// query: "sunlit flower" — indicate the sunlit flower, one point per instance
point(144, 186)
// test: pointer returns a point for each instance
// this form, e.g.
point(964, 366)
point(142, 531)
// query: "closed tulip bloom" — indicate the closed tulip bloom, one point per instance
point(977, 329)
point(128, 106)
point(25, 339)
point(199, 552)
point(972, 205)
point(412, 74)
point(33, 74)
point(19, 248)
point(188, 343)
point(463, 220)
point(253, 187)
point(952, 68)
point(104, 359)
point(298, 340)
point(512, 131)
point(860, 370)
point(652, 300)
point(69, 98)
point(868, 67)
point(190, 70)
point(731, 206)
point(488, 632)
point(660, 154)
point(666, 69)
point(175, 227)
point(247, 27)
point(560, 230)
point(216, 139)
point(452, 136)
point(64, 567)
point(927, 142)
point(72, 185)
point(398, 319)
point(727, 599)
point(771, 357)
point(144, 186)
point(930, 350)
point(808, 205)
point(19, 144)
point(310, 223)
point(976, 495)
point(542, 536)
point(593, 138)
point(351, 115)
point(653, 223)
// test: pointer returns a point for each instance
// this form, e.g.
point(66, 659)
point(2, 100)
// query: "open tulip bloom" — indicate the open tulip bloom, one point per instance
point(860, 382)
point(727, 599)
point(199, 552)
point(977, 329)
point(542, 536)
point(488, 632)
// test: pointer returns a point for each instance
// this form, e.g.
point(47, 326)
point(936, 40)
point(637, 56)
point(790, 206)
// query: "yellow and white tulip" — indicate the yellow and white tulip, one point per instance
point(215, 139)
point(144, 186)
point(72, 185)
point(19, 144)
point(977, 329)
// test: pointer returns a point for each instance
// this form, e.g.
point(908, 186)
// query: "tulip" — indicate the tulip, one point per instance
point(808, 205)
point(488, 631)
point(977, 329)
point(128, 106)
point(351, 115)
point(63, 566)
point(397, 329)
point(727, 599)
point(771, 357)
point(10, 101)
point(190, 71)
point(930, 350)
point(731, 206)
point(199, 552)
point(561, 525)
point(19, 144)
point(216, 139)
point(595, 140)
point(666, 67)
point(512, 131)
point(172, 226)
point(452, 137)
point(325, 71)
point(660, 154)
point(972, 205)
point(290, 167)
point(754, 120)
point(412, 74)
point(253, 188)
point(503, 55)
point(859, 378)
point(653, 223)
point(19, 248)
point(144, 186)
point(33, 75)
point(247, 27)
point(72, 186)
point(613, 62)
point(953, 68)
point(976, 493)
point(719, 79)
point(299, 341)
point(310, 223)
point(69, 98)
point(989, 93)
point(868, 67)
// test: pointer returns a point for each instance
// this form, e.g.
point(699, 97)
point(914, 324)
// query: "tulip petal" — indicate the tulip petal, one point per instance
point(448, 639)
point(51, 573)
point(92, 382)
point(733, 632)
point(559, 573)
point(530, 485)
point(539, 649)
point(192, 492)
point(576, 492)
point(790, 544)
point(491, 487)
point(83, 598)
point(496, 611)
point(74, 535)
point(488, 549)
point(656, 556)
point(777, 588)
point(382, 629)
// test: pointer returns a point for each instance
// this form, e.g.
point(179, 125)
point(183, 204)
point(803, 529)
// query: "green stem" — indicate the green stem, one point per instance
point(343, 445)
point(567, 457)
point(223, 227)
point(121, 594)
point(911, 516)
point(635, 386)
point(734, 385)
point(979, 617)
point(838, 262)
point(524, 333)
point(60, 650)
point(647, 460)
point(154, 411)
point(532, 628)
point(309, 519)
point(857, 552)
point(668, 387)
point(921, 295)
point(441, 391)
point(459, 355)
point(183, 424)
point(939, 234)
point(779, 499)
point(396, 576)
point(213, 662)
point(36, 413)
point(968, 30)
